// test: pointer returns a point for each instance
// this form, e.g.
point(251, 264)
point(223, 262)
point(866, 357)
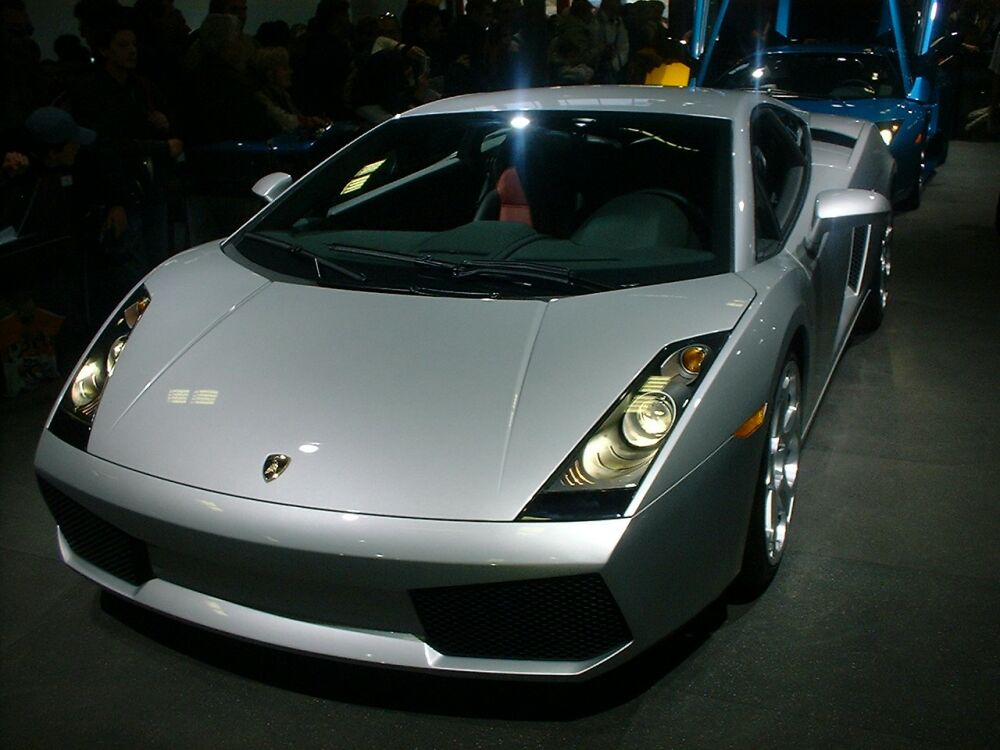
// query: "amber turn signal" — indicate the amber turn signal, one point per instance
point(749, 427)
point(692, 358)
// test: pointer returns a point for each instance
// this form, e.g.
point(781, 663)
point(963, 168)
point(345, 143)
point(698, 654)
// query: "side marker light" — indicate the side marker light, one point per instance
point(751, 426)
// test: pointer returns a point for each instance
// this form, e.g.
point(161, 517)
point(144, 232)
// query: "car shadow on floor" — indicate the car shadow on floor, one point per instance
point(419, 692)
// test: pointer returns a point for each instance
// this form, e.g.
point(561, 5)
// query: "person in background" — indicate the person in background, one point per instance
point(322, 60)
point(244, 46)
point(422, 27)
point(137, 146)
point(22, 87)
point(40, 185)
point(468, 31)
point(531, 44)
point(391, 80)
point(92, 15)
point(221, 104)
point(44, 291)
point(574, 53)
point(611, 38)
point(272, 71)
point(163, 36)
point(273, 34)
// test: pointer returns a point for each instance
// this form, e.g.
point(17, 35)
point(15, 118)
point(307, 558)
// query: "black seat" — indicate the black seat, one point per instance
point(650, 218)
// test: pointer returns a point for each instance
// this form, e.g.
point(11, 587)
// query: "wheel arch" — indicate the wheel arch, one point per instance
point(799, 345)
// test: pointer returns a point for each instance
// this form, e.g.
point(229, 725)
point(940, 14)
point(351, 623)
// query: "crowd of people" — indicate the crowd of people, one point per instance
point(153, 89)
point(218, 82)
point(93, 140)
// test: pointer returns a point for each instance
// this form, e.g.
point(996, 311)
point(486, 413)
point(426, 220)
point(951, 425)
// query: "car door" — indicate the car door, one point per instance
point(781, 161)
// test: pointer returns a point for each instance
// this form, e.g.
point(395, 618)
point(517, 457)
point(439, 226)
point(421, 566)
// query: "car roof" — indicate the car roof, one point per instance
point(830, 48)
point(730, 105)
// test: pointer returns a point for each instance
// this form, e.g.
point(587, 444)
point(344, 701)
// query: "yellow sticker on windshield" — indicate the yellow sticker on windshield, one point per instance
point(361, 177)
point(356, 184)
point(369, 168)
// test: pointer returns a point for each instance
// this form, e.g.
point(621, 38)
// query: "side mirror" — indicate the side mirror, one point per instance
point(271, 186)
point(846, 209)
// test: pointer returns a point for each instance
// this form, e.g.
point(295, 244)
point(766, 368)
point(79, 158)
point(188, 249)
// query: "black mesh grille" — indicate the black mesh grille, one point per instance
point(566, 619)
point(859, 241)
point(97, 541)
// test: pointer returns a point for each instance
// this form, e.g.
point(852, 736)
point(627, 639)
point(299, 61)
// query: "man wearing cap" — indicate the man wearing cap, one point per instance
point(40, 198)
point(45, 244)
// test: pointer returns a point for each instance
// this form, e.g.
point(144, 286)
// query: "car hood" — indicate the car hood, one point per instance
point(425, 407)
point(873, 110)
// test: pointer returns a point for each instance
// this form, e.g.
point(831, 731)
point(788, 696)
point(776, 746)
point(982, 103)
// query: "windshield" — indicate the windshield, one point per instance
point(822, 76)
point(538, 204)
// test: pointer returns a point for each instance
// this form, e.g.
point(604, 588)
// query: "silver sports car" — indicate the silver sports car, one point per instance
point(514, 384)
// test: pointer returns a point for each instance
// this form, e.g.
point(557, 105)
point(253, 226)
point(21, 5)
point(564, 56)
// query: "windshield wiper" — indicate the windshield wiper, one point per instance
point(527, 270)
point(502, 269)
point(370, 252)
point(318, 261)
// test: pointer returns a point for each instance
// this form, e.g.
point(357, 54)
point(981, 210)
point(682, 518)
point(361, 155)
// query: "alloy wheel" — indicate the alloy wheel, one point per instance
point(885, 268)
point(784, 443)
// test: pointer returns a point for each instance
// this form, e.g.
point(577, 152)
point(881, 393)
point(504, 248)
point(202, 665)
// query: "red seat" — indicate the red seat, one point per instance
point(513, 202)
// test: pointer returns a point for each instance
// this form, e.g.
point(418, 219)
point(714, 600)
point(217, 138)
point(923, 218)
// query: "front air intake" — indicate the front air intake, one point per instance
point(571, 618)
point(97, 541)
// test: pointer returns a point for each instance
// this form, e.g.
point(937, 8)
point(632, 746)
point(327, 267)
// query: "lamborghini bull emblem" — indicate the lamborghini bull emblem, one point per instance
point(274, 465)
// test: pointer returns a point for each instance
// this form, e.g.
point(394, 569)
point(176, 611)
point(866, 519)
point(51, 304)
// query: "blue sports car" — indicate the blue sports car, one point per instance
point(856, 81)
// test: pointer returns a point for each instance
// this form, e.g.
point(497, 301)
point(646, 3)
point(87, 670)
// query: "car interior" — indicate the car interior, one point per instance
point(571, 192)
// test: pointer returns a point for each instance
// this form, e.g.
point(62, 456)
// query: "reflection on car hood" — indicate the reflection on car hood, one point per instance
point(386, 404)
point(873, 110)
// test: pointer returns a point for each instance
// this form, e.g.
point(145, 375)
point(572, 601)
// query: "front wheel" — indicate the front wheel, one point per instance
point(774, 498)
point(911, 200)
point(873, 312)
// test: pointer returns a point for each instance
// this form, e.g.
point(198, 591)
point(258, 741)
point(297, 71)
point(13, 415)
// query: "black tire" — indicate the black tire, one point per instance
point(767, 533)
point(873, 313)
point(911, 201)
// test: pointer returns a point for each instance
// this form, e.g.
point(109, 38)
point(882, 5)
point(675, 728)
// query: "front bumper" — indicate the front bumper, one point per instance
point(353, 587)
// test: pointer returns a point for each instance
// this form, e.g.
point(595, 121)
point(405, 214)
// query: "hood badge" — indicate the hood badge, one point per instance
point(275, 465)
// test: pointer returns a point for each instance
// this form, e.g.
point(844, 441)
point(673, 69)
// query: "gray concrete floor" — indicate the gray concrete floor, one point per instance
point(882, 628)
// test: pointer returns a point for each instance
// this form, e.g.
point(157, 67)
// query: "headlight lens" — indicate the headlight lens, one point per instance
point(600, 476)
point(648, 419)
point(888, 130)
point(87, 386)
point(115, 352)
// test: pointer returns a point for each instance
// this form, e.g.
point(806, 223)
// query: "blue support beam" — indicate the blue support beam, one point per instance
point(933, 15)
point(710, 45)
point(784, 12)
point(897, 31)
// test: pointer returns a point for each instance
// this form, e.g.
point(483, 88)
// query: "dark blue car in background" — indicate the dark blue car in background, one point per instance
point(870, 59)
point(854, 81)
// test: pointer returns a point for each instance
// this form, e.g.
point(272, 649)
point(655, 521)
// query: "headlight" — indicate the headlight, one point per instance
point(888, 130)
point(86, 387)
point(600, 476)
point(648, 418)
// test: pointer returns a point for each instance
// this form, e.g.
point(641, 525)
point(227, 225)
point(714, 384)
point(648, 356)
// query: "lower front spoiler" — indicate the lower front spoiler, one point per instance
point(397, 650)
point(342, 585)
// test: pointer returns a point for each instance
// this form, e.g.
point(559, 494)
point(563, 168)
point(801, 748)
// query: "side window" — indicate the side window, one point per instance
point(779, 145)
